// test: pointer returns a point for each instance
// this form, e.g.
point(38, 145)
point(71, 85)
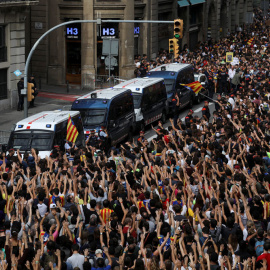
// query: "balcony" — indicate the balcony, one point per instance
point(17, 3)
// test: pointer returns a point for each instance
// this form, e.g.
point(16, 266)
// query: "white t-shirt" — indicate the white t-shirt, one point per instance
point(42, 208)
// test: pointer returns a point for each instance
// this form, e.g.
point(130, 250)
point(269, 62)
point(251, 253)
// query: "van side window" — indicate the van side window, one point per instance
point(60, 133)
point(145, 99)
point(128, 104)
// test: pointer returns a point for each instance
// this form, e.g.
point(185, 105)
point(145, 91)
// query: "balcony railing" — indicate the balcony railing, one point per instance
point(8, 3)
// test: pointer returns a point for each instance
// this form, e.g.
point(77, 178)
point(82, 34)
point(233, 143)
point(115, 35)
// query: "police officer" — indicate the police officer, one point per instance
point(189, 117)
point(20, 86)
point(223, 80)
point(141, 139)
point(206, 111)
point(92, 140)
point(176, 108)
point(103, 136)
point(211, 87)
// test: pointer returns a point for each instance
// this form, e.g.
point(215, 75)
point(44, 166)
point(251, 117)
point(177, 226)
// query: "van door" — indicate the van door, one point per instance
point(182, 90)
point(119, 118)
point(148, 106)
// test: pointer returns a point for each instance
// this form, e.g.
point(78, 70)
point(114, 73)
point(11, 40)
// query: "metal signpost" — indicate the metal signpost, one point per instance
point(98, 21)
point(110, 47)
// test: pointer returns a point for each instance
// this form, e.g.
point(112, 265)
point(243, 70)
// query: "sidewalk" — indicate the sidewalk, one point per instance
point(50, 98)
point(62, 89)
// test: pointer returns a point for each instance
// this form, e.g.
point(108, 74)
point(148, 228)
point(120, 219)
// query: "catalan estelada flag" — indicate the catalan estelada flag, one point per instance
point(250, 41)
point(72, 132)
point(195, 87)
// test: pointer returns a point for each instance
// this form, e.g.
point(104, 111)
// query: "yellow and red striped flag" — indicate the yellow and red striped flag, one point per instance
point(72, 132)
point(250, 41)
point(196, 87)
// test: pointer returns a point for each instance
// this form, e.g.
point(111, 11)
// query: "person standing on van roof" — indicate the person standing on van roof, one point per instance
point(176, 108)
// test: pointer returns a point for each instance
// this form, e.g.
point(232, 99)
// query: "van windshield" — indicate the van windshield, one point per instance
point(26, 139)
point(93, 117)
point(169, 85)
point(137, 100)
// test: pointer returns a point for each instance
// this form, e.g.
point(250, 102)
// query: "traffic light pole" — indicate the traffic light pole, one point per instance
point(24, 91)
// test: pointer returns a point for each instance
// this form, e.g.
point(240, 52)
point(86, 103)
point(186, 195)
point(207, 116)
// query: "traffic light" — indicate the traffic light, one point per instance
point(177, 48)
point(171, 46)
point(178, 28)
point(30, 91)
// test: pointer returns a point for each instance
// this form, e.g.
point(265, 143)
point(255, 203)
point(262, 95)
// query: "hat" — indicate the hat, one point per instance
point(98, 251)
point(207, 156)
point(191, 111)
point(141, 132)
point(12, 149)
point(56, 146)
point(93, 131)
point(53, 206)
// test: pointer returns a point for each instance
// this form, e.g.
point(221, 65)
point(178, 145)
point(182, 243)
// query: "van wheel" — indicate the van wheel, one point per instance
point(163, 118)
point(191, 103)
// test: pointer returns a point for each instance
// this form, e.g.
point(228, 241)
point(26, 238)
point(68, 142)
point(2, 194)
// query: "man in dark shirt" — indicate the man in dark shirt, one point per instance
point(206, 111)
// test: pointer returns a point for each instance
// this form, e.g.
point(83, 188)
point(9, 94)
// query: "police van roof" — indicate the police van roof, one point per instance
point(107, 93)
point(44, 120)
point(170, 67)
point(137, 84)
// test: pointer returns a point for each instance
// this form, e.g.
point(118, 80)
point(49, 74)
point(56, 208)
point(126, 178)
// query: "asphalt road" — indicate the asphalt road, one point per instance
point(197, 108)
point(45, 103)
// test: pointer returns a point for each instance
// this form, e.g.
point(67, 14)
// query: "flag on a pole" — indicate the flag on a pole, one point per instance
point(250, 41)
point(72, 132)
point(195, 87)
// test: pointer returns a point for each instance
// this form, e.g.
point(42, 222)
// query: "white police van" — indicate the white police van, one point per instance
point(111, 108)
point(149, 96)
point(44, 130)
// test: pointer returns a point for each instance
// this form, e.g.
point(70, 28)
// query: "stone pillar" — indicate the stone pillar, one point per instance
point(88, 49)
point(154, 30)
point(126, 42)
point(232, 7)
point(56, 46)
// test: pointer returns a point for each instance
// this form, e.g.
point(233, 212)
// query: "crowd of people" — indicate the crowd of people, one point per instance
point(197, 196)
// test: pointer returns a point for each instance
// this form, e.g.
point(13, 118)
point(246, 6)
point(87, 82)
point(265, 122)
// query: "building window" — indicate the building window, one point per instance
point(3, 84)
point(3, 47)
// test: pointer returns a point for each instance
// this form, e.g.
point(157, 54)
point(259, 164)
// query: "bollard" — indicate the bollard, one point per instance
point(67, 86)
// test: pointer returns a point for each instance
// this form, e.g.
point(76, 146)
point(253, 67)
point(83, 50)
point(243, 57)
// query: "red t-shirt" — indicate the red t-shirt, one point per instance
point(265, 256)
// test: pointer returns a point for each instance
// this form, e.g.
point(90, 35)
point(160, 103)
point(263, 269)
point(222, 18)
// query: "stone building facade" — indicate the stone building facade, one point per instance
point(12, 48)
point(74, 53)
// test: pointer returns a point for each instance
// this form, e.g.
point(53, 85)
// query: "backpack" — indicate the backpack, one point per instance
point(259, 247)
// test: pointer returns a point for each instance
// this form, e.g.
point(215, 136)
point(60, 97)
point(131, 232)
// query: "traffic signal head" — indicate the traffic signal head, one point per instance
point(171, 46)
point(30, 91)
point(178, 28)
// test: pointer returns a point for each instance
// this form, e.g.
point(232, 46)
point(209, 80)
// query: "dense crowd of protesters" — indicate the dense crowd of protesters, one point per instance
point(195, 197)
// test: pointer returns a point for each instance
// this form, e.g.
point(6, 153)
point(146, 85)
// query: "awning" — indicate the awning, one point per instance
point(195, 2)
point(183, 3)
